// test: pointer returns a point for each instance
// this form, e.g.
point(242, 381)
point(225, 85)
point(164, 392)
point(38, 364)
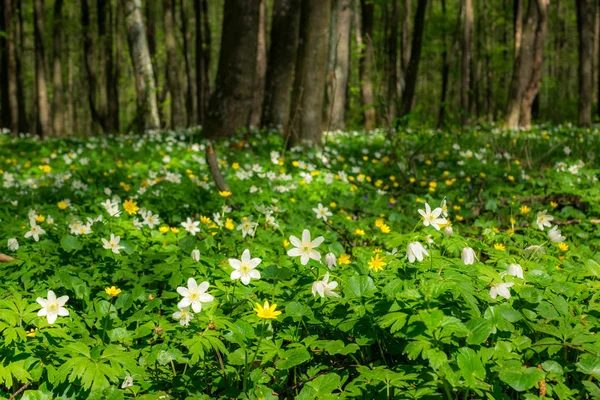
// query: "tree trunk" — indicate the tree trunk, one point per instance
point(58, 108)
point(445, 71)
point(89, 61)
point(104, 70)
point(413, 66)
point(202, 58)
point(342, 62)
point(178, 118)
point(5, 121)
point(190, 96)
point(406, 35)
point(311, 67)
point(230, 105)
point(281, 63)
point(364, 38)
point(261, 67)
point(112, 67)
point(43, 109)
point(466, 60)
point(392, 62)
point(539, 11)
point(489, 33)
point(12, 79)
point(586, 13)
point(517, 25)
point(142, 65)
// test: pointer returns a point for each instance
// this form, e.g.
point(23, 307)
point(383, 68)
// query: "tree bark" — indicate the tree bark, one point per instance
point(178, 117)
point(341, 65)
point(89, 61)
point(364, 38)
point(261, 67)
point(112, 66)
point(466, 60)
point(489, 33)
point(104, 70)
point(230, 106)
point(445, 70)
point(392, 61)
point(5, 120)
point(58, 115)
point(406, 35)
point(190, 95)
point(311, 67)
point(586, 13)
point(43, 109)
point(517, 25)
point(413, 66)
point(142, 65)
point(285, 24)
point(527, 70)
point(202, 58)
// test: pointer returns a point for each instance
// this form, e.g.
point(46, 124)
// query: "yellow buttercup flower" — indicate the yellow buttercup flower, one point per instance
point(553, 204)
point(379, 222)
point(62, 205)
point(499, 246)
point(40, 218)
point(385, 228)
point(235, 165)
point(266, 311)
point(174, 229)
point(524, 210)
point(163, 229)
point(205, 220)
point(344, 259)
point(130, 206)
point(563, 246)
point(112, 291)
point(377, 263)
point(285, 243)
point(359, 231)
point(225, 193)
point(229, 224)
point(31, 332)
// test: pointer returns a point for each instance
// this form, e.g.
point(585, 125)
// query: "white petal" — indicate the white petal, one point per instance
point(62, 300)
point(235, 263)
point(192, 284)
point(185, 302)
point(317, 241)
point(235, 275)
point(51, 318)
point(196, 306)
point(245, 279)
point(306, 236)
point(51, 296)
point(304, 259)
point(254, 274)
point(203, 287)
point(246, 256)
point(42, 313)
point(254, 262)
point(295, 252)
point(206, 298)
point(41, 301)
point(295, 241)
point(63, 312)
point(183, 291)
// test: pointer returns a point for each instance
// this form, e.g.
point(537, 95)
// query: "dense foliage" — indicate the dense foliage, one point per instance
point(130, 227)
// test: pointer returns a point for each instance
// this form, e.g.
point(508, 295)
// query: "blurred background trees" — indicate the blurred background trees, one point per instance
point(86, 67)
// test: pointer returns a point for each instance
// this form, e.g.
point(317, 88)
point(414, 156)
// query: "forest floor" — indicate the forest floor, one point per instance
point(464, 263)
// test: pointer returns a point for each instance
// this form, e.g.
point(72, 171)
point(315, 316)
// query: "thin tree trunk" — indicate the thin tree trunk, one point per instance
point(112, 67)
point(281, 63)
point(364, 35)
point(88, 54)
point(5, 118)
point(489, 87)
point(11, 66)
point(586, 13)
point(445, 70)
point(58, 114)
point(517, 25)
point(150, 9)
point(466, 61)
point(24, 126)
point(142, 65)
point(105, 69)
point(202, 58)
point(261, 66)
point(392, 62)
point(178, 118)
point(43, 108)
point(413, 66)
point(311, 67)
point(190, 95)
point(342, 63)
point(406, 35)
point(230, 105)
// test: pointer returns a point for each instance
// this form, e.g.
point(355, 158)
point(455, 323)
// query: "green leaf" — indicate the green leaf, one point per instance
point(471, 367)
point(394, 320)
point(589, 365)
point(519, 378)
point(479, 330)
point(297, 311)
point(70, 243)
point(293, 357)
point(337, 347)
point(360, 286)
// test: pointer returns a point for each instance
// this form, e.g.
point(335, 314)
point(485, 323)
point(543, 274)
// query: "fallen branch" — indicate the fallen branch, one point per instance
point(215, 171)
point(25, 386)
point(5, 258)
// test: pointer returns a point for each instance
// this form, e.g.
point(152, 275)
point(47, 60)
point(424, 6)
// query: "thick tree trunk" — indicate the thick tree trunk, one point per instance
point(190, 95)
point(89, 61)
point(406, 35)
point(489, 33)
point(230, 105)
point(11, 66)
point(43, 108)
point(364, 38)
point(5, 120)
point(281, 63)
point(142, 65)
point(178, 118)
point(392, 61)
point(311, 67)
point(413, 66)
point(104, 70)
point(466, 60)
point(202, 58)
point(112, 67)
point(261, 67)
point(342, 63)
point(586, 13)
point(58, 108)
point(517, 25)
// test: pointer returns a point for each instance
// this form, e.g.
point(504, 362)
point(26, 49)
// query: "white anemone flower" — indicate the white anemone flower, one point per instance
point(322, 212)
point(35, 231)
point(515, 270)
point(13, 244)
point(431, 217)
point(415, 251)
point(543, 219)
point(305, 248)
point(52, 307)
point(244, 269)
point(555, 236)
point(184, 316)
point(501, 290)
point(196, 255)
point(113, 244)
point(331, 260)
point(324, 287)
point(194, 295)
point(191, 226)
point(468, 256)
